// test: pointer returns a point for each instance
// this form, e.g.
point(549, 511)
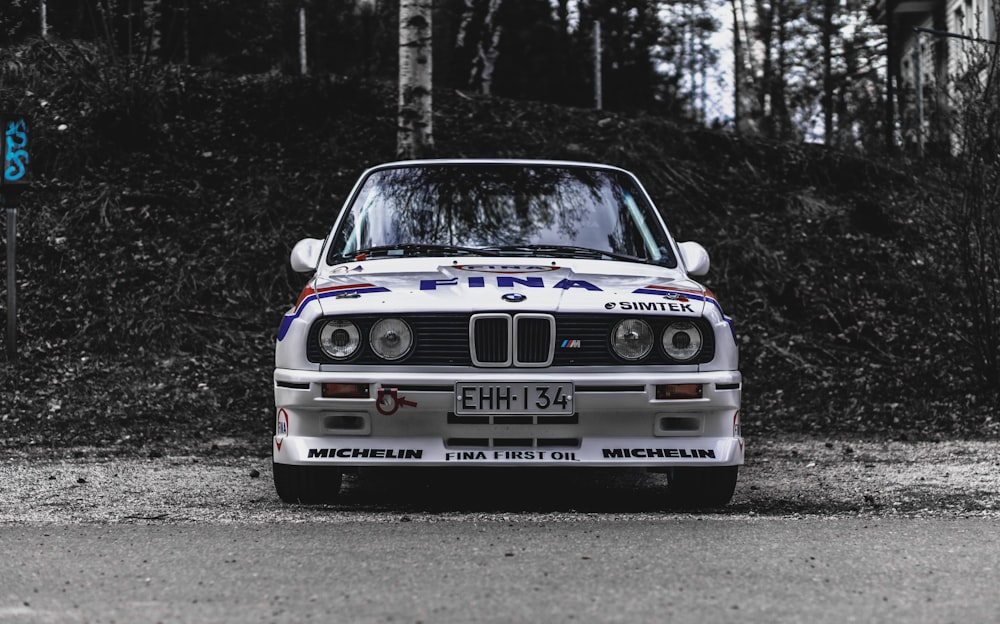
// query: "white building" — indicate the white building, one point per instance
point(932, 47)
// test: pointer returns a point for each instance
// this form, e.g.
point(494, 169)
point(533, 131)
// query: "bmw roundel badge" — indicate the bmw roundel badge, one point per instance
point(514, 297)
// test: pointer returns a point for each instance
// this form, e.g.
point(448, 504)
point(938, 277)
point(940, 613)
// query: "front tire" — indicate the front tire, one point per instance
point(711, 486)
point(310, 485)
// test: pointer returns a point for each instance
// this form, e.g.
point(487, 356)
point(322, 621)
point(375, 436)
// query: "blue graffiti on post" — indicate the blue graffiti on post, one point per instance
point(15, 155)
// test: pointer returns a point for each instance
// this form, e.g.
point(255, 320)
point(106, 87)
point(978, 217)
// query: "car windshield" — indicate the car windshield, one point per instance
point(499, 208)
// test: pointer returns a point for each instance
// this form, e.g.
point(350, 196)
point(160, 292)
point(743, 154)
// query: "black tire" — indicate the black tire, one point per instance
point(310, 485)
point(711, 486)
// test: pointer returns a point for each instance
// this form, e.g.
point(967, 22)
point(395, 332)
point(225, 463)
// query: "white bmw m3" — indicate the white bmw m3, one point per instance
point(505, 313)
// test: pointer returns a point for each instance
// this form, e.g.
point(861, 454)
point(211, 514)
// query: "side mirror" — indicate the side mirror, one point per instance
point(305, 255)
point(694, 257)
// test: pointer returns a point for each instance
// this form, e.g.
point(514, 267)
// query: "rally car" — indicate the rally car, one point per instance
point(504, 313)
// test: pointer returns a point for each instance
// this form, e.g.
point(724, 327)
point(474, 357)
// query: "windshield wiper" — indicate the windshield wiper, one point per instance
point(566, 251)
point(417, 249)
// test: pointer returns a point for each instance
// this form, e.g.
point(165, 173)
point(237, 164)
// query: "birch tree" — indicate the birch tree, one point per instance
point(415, 137)
point(487, 44)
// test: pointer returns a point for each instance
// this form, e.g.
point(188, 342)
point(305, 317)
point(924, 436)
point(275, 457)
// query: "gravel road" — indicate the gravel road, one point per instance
point(783, 477)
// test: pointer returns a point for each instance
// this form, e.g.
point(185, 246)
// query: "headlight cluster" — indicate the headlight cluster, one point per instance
point(390, 339)
point(632, 340)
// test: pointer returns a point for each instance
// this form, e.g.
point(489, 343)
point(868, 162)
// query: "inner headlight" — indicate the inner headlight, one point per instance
point(632, 339)
point(339, 339)
point(682, 341)
point(391, 338)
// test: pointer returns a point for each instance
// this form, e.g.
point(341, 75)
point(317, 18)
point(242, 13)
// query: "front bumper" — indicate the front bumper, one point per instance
point(616, 421)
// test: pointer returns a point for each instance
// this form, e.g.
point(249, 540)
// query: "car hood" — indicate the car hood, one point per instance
point(435, 285)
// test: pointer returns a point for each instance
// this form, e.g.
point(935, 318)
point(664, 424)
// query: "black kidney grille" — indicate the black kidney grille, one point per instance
point(491, 339)
point(534, 339)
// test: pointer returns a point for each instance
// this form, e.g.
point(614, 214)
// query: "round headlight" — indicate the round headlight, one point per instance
point(632, 339)
point(682, 341)
point(339, 339)
point(391, 338)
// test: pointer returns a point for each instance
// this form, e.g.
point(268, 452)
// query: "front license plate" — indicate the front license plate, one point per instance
point(514, 398)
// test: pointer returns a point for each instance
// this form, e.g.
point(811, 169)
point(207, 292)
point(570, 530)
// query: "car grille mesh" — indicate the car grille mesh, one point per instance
point(455, 340)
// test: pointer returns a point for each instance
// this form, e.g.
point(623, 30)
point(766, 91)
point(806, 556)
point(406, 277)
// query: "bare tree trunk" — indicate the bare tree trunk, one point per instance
point(468, 15)
point(598, 63)
point(765, 28)
point(828, 137)
point(186, 32)
point(43, 14)
point(366, 10)
point(415, 136)
point(303, 59)
point(746, 100)
point(562, 12)
point(485, 46)
point(779, 100)
point(151, 26)
point(486, 55)
point(890, 75)
point(737, 68)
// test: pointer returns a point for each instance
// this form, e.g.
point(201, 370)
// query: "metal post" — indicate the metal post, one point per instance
point(598, 95)
point(11, 277)
point(918, 88)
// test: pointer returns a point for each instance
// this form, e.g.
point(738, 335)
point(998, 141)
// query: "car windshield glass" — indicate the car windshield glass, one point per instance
point(515, 209)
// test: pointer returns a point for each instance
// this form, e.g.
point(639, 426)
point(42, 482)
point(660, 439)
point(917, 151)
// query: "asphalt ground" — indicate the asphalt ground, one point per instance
point(818, 531)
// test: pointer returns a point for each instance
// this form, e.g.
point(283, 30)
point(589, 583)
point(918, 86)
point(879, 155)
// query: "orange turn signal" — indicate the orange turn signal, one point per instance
point(678, 391)
point(345, 391)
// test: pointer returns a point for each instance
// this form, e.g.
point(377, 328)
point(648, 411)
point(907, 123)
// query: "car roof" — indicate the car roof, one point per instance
point(495, 161)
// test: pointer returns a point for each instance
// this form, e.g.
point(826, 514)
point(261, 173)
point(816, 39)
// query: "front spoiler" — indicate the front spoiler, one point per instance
point(604, 452)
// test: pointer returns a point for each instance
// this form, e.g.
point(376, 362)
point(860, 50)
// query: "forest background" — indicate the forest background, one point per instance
point(180, 151)
point(791, 70)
